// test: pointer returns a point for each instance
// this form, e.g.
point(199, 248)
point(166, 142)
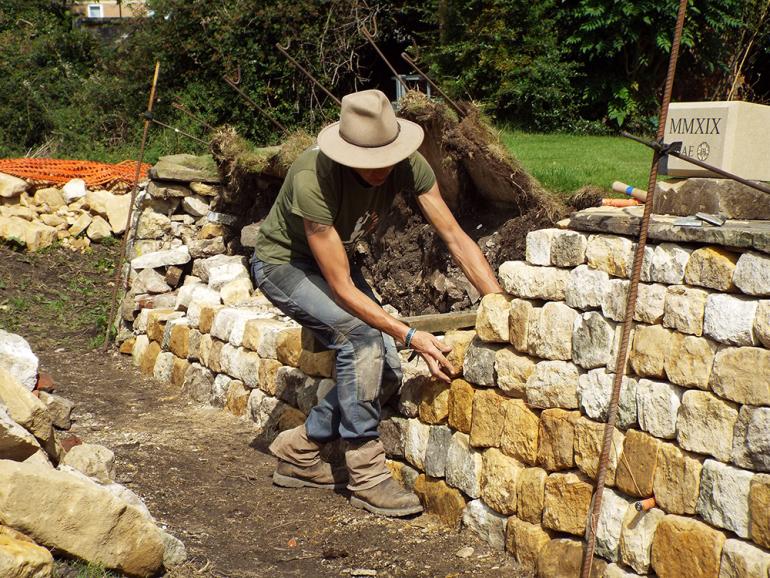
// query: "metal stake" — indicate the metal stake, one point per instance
point(444, 95)
point(306, 73)
point(255, 105)
point(180, 107)
point(370, 38)
point(176, 130)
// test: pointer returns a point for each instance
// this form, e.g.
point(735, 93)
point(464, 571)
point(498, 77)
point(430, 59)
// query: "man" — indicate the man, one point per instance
point(334, 193)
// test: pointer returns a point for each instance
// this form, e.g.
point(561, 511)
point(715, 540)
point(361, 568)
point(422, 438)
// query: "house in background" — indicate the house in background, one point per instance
point(109, 9)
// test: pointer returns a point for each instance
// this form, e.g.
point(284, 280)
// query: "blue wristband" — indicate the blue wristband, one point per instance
point(408, 338)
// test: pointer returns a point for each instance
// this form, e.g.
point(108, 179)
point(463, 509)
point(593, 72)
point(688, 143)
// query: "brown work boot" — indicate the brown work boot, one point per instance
point(372, 484)
point(300, 464)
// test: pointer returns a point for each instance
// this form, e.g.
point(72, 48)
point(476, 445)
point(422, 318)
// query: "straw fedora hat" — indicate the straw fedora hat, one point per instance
point(368, 134)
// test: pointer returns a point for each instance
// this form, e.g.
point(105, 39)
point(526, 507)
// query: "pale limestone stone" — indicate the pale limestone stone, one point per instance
point(33, 235)
point(741, 559)
point(463, 466)
point(99, 229)
point(724, 497)
point(499, 481)
point(669, 263)
point(705, 424)
point(152, 225)
point(611, 254)
point(589, 437)
point(711, 267)
point(645, 275)
point(11, 186)
point(636, 469)
point(219, 389)
point(524, 541)
point(17, 358)
point(594, 392)
point(520, 432)
point(686, 547)
point(615, 571)
point(164, 363)
point(416, 443)
point(615, 298)
point(227, 318)
point(519, 317)
point(550, 332)
point(93, 460)
point(531, 494)
point(689, 360)
point(762, 323)
point(486, 523)
point(752, 273)
point(657, 403)
point(568, 248)
point(198, 382)
point(650, 345)
point(566, 504)
point(460, 405)
point(140, 346)
point(730, 319)
point(616, 347)
point(585, 288)
point(488, 418)
point(740, 456)
point(553, 384)
point(742, 375)
point(195, 206)
point(265, 411)
point(684, 309)
point(177, 256)
point(150, 281)
point(610, 523)
point(236, 291)
point(262, 335)
point(556, 439)
point(677, 480)
point(492, 318)
point(636, 537)
point(650, 303)
point(532, 282)
point(479, 363)
point(16, 443)
point(26, 410)
point(436, 454)
point(202, 267)
point(538, 246)
point(758, 439)
point(592, 338)
point(513, 369)
point(114, 207)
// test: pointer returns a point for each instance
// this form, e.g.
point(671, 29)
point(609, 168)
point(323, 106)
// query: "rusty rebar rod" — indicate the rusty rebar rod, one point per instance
point(151, 118)
point(443, 94)
point(250, 100)
point(306, 73)
point(127, 232)
point(636, 271)
point(180, 107)
point(370, 38)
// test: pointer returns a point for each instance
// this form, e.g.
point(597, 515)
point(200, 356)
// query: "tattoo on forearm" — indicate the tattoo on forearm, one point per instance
point(312, 227)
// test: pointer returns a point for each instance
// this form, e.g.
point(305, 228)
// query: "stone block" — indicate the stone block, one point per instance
point(538, 246)
point(751, 439)
point(463, 466)
point(179, 340)
point(556, 439)
point(219, 389)
point(553, 384)
point(711, 267)
point(608, 528)
point(689, 360)
point(198, 383)
point(684, 309)
point(460, 405)
point(140, 346)
point(705, 424)
point(550, 331)
point(164, 363)
point(215, 356)
point(658, 404)
point(616, 343)
point(752, 273)
point(459, 342)
point(440, 500)
point(320, 364)
point(479, 363)
point(288, 346)
point(677, 480)
point(589, 437)
point(288, 381)
point(236, 291)
point(393, 436)
point(486, 523)
point(669, 263)
point(567, 502)
point(616, 571)
point(492, 318)
point(595, 390)
point(762, 323)
point(585, 288)
point(520, 432)
point(499, 481)
point(592, 338)
point(524, 541)
point(439, 438)
point(156, 322)
point(513, 369)
point(149, 356)
point(531, 494)
point(568, 248)
point(178, 371)
point(742, 374)
point(636, 534)
point(741, 559)
point(759, 508)
point(615, 299)
point(434, 403)
point(650, 303)
point(206, 317)
point(520, 314)
point(686, 547)
point(636, 468)
point(610, 253)
point(416, 443)
point(650, 345)
point(409, 395)
point(487, 419)
point(730, 319)
point(724, 497)
point(531, 282)
point(237, 398)
point(563, 558)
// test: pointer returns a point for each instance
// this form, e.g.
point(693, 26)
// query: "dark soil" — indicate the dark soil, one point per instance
point(199, 469)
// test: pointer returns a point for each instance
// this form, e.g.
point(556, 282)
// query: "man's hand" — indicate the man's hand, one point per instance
point(432, 351)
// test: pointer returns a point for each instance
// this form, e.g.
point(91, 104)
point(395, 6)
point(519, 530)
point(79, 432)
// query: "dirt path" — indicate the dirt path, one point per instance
point(199, 469)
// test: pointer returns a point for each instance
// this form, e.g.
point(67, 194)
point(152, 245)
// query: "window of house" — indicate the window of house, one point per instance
point(95, 11)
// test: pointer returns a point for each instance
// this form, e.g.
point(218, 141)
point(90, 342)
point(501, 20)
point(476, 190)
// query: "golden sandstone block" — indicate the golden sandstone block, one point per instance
point(289, 346)
point(434, 402)
point(636, 470)
point(677, 480)
point(686, 547)
point(147, 362)
point(520, 432)
point(531, 495)
point(589, 436)
point(524, 541)
point(460, 405)
point(179, 341)
point(441, 500)
point(487, 419)
point(566, 504)
point(178, 370)
point(208, 312)
point(556, 439)
point(499, 481)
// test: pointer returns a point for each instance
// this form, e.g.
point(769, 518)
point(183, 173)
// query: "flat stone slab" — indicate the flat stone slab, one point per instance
point(725, 197)
point(627, 220)
point(186, 168)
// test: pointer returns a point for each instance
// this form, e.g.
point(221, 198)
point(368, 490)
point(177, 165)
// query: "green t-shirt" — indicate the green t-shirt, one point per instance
point(321, 190)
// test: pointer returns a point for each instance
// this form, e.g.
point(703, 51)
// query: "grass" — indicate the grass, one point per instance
point(565, 163)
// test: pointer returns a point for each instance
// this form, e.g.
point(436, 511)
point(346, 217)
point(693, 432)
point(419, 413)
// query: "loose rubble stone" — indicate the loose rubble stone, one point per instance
point(752, 273)
point(686, 547)
point(518, 323)
point(524, 541)
point(611, 254)
point(594, 392)
point(416, 443)
point(553, 384)
point(724, 497)
point(33, 236)
point(520, 432)
point(486, 523)
point(762, 323)
point(440, 500)
point(730, 319)
point(11, 186)
point(532, 282)
point(195, 206)
point(592, 338)
point(513, 369)
point(689, 360)
point(705, 424)
point(636, 468)
point(669, 263)
point(487, 418)
point(550, 332)
point(711, 267)
point(463, 466)
point(556, 439)
point(531, 494)
point(740, 559)
point(568, 248)
point(650, 346)
point(16, 443)
point(177, 256)
point(150, 281)
point(684, 309)
point(610, 523)
point(436, 454)
point(479, 363)
point(566, 504)
point(20, 556)
point(460, 405)
point(538, 246)
point(677, 480)
point(492, 318)
point(658, 404)
point(499, 481)
point(638, 530)
point(93, 460)
point(742, 375)
point(53, 198)
point(563, 558)
point(27, 411)
point(114, 207)
point(17, 358)
point(585, 288)
point(434, 403)
point(98, 229)
point(589, 437)
point(759, 506)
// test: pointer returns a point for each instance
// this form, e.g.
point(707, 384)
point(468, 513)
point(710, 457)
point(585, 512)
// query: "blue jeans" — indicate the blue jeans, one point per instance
point(368, 367)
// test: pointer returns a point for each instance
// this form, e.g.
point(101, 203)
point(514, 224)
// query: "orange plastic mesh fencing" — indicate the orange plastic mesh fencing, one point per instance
point(59, 171)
